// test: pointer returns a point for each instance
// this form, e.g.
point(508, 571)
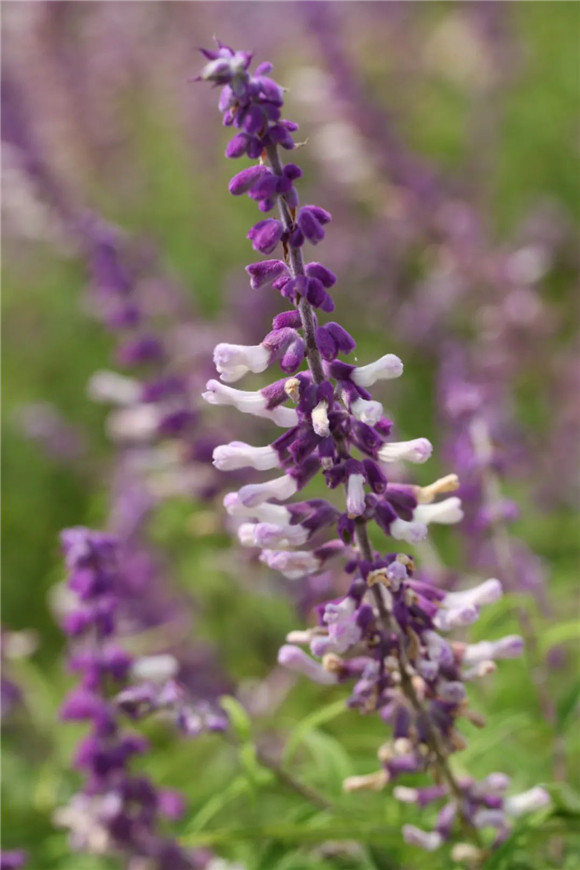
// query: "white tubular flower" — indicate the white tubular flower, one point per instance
point(366, 782)
point(366, 411)
point(246, 535)
point(155, 669)
point(355, 495)
point(464, 853)
point(293, 565)
point(405, 795)
point(238, 454)
point(417, 450)
point(272, 535)
point(446, 512)
point(249, 402)
point(233, 361)
point(219, 67)
point(527, 801)
point(445, 620)
point(82, 816)
point(438, 648)
point(320, 420)
point(282, 488)
point(427, 494)
point(387, 367)
point(428, 840)
point(411, 532)
point(489, 819)
point(343, 631)
point(136, 423)
point(107, 386)
point(295, 659)
point(487, 592)
point(497, 782)
point(264, 513)
point(510, 647)
point(298, 636)
point(483, 669)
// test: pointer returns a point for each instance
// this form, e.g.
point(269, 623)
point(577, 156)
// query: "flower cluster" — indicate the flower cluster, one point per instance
point(117, 810)
point(479, 444)
point(158, 404)
point(386, 634)
point(12, 860)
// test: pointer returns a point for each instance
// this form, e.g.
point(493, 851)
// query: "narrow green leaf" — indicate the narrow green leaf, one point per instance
point(213, 806)
point(562, 632)
point(568, 706)
point(239, 719)
point(319, 717)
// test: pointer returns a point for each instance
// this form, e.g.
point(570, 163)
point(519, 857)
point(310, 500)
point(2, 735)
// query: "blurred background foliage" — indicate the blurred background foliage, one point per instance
point(131, 139)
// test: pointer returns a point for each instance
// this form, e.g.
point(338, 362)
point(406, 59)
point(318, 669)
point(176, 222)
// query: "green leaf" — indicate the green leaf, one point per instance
point(562, 632)
point(333, 763)
point(213, 806)
point(319, 717)
point(239, 719)
point(565, 799)
point(568, 705)
point(257, 774)
point(491, 618)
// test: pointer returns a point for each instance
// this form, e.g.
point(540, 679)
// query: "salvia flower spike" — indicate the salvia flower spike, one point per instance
point(117, 810)
point(386, 637)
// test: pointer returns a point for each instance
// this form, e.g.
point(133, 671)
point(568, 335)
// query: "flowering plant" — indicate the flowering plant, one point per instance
point(386, 634)
point(341, 690)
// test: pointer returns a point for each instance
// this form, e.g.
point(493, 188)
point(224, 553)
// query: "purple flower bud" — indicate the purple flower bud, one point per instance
point(264, 68)
point(281, 136)
point(311, 220)
point(238, 146)
point(293, 356)
point(264, 189)
point(144, 349)
point(324, 275)
point(253, 120)
point(271, 90)
point(292, 172)
point(246, 179)
point(263, 273)
point(343, 339)
point(176, 423)
point(315, 292)
point(81, 704)
point(287, 319)
point(255, 148)
point(161, 388)
point(265, 235)
point(326, 344)
point(375, 477)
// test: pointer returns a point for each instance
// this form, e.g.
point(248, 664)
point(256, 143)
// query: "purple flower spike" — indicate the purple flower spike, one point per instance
point(112, 795)
point(12, 860)
point(385, 638)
